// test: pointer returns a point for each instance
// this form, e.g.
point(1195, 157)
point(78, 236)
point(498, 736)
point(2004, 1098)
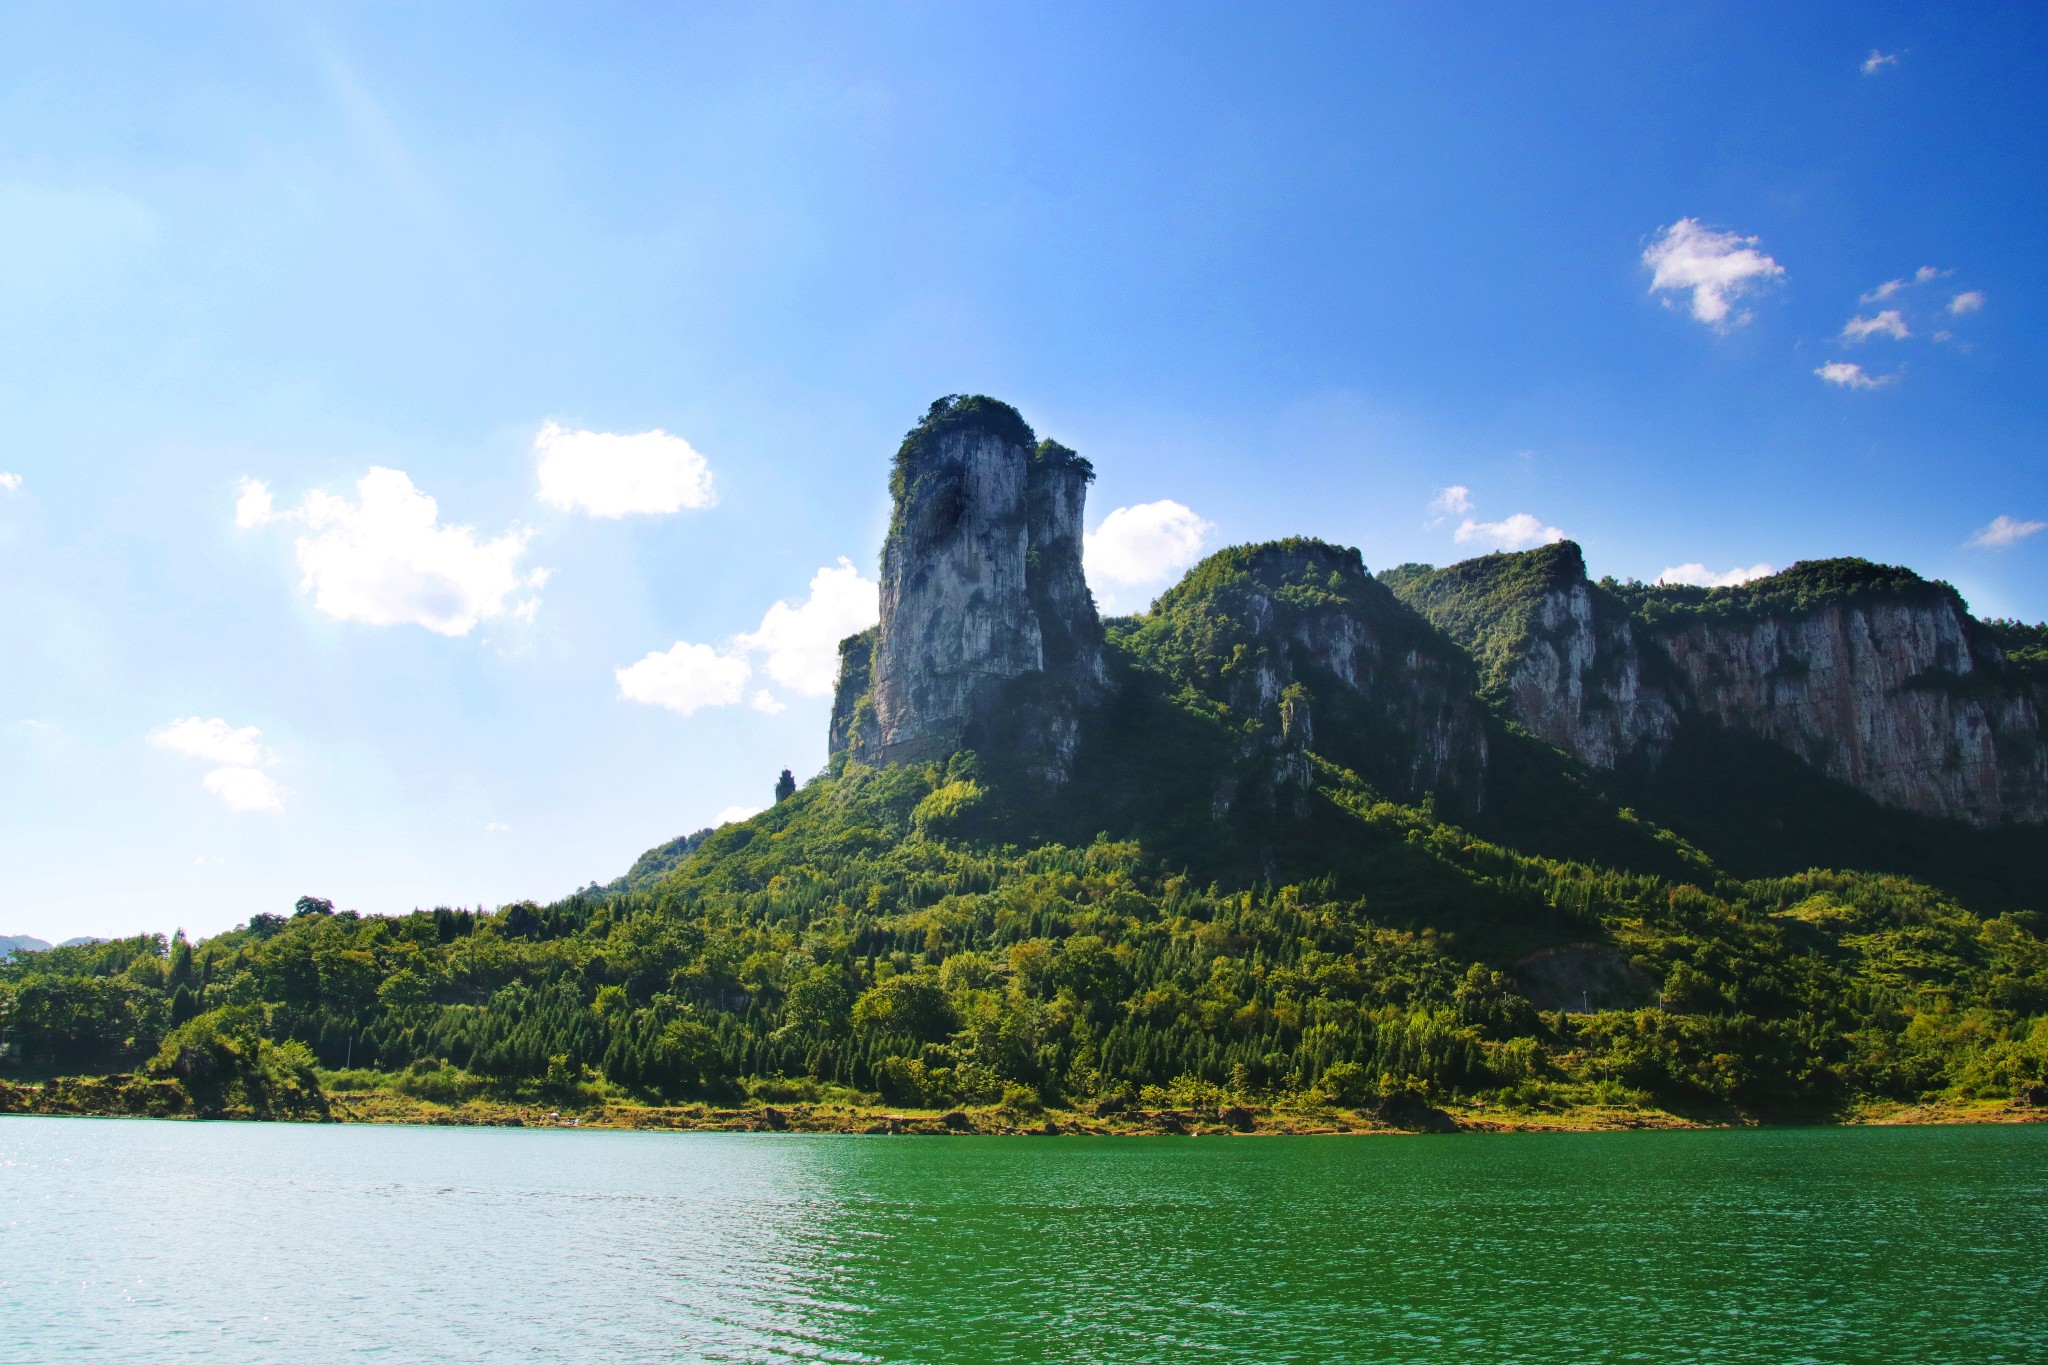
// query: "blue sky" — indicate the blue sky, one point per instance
point(1378, 274)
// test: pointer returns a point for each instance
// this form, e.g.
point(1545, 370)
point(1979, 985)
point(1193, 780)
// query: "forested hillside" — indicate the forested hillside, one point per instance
point(850, 935)
point(1491, 838)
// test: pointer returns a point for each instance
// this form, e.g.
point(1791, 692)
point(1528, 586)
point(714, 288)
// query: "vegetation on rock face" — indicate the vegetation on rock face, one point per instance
point(1747, 802)
point(1806, 587)
point(1491, 603)
point(2025, 646)
point(1240, 893)
point(1050, 454)
point(961, 412)
point(660, 860)
point(858, 933)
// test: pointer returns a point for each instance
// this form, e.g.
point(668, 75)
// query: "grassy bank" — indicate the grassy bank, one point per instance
point(355, 1098)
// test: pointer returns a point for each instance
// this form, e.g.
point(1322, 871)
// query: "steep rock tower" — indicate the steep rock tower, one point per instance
point(989, 638)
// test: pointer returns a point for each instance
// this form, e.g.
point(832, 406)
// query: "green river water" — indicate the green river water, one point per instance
point(139, 1241)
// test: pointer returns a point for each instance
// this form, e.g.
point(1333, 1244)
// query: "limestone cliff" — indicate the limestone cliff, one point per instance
point(989, 638)
point(1872, 675)
point(1307, 652)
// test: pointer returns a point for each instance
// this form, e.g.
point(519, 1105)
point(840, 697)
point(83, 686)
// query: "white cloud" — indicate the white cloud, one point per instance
point(245, 789)
point(2006, 531)
point(732, 815)
point(686, 678)
point(1888, 323)
point(802, 642)
point(497, 827)
point(1849, 375)
point(253, 506)
point(1878, 61)
point(10, 483)
point(1518, 532)
point(1717, 267)
point(1969, 301)
point(385, 559)
point(213, 740)
point(1136, 547)
point(238, 782)
point(1700, 576)
point(800, 645)
point(1891, 287)
point(1455, 501)
point(611, 475)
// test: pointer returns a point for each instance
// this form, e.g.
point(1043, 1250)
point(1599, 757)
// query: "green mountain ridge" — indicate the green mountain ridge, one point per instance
point(1302, 846)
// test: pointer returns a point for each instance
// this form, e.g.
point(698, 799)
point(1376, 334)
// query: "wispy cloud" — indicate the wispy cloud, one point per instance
point(1888, 323)
point(10, 483)
point(1891, 287)
point(1878, 61)
point(1455, 501)
point(1717, 267)
point(2004, 532)
point(1969, 301)
point(1849, 375)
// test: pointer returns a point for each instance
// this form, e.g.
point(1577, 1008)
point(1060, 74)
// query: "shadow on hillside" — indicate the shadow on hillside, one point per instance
point(1758, 811)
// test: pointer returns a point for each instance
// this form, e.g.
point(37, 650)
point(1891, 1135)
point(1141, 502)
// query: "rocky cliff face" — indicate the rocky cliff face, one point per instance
point(1872, 675)
point(1887, 696)
point(989, 638)
point(1305, 650)
point(1564, 658)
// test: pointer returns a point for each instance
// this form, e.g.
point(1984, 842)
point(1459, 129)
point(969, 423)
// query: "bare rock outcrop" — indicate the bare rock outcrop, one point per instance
point(1873, 675)
point(1892, 697)
point(989, 637)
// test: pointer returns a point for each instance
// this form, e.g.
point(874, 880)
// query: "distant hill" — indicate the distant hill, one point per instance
point(20, 943)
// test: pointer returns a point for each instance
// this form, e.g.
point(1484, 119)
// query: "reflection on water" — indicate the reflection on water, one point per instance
point(127, 1240)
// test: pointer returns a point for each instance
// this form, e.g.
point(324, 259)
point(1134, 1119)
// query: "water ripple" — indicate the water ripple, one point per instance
point(167, 1242)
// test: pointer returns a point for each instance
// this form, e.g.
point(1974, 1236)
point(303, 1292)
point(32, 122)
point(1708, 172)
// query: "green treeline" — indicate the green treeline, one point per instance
point(843, 936)
point(1223, 901)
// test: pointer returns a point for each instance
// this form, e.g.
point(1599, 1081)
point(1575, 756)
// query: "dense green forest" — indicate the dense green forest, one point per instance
point(847, 935)
point(842, 936)
point(947, 934)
